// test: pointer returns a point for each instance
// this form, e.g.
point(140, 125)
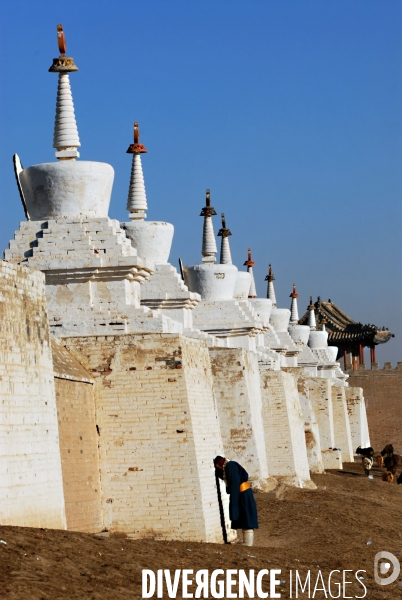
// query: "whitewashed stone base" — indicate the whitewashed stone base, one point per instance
point(31, 486)
point(357, 417)
point(284, 428)
point(343, 437)
point(93, 277)
point(320, 394)
point(238, 397)
point(311, 429)
point(226, 319)
point(159, 432)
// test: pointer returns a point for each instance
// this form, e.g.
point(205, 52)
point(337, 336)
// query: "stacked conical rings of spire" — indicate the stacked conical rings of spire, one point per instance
point(311, 316)
point(249, 263)
point(294, 313)
point(65, 125)
point(224, 233)
point(226, 257)
point(137, 199)
point(209, 248)
point(252, 291)
point(270, 288)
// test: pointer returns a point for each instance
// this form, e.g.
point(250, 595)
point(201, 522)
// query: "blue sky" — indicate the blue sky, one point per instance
point(290, 112)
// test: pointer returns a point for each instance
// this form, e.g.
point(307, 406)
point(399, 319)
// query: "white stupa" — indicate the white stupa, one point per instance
point(65, 139)
point(224, 233)
point(213, 281)
point(67, 188)
point(298, 333)
point(252, 293)
point(270, 288)
point(151, 239)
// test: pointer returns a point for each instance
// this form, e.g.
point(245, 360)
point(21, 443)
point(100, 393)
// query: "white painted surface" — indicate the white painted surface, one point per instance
point(332, 352)
point(209, 248)
point(357, 417)
point(68, 188)
point(252, 293)
point(31, 486)
point(318, 339)
point(243, 282)
point(65, 137)
point(151, 239)
point(93, 277)
point(262, 308)
point(238, 397)
point(225, 257)
point(284, 428)
point(279, 319)
point(137, 199)
point(271, 293)
point(159, 433)
point(343, 437)
point(294, 312)
point(299, 333)
point(311, 429)
point(211, 281)
point(311, 319)
point(320, 394)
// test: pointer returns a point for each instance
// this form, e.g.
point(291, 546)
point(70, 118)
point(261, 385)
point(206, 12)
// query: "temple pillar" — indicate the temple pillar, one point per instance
point(346, 364)
point(361, 354)
point(372, 355)
point(355, 358)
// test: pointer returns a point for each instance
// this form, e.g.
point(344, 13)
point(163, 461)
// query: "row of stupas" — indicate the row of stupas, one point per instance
point(183, 366)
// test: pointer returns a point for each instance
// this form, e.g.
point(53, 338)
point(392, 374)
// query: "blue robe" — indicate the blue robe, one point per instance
point(242, 507)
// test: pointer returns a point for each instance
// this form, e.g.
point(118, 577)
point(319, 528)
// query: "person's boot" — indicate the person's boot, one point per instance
point(248, 537)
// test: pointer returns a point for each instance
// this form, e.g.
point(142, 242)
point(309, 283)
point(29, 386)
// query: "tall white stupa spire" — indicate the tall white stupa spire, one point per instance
point(209, 248)
point(137, 198)
point(294, 313)
point(224, 232)
point(65, 137)
point(250, 264)
point(270, 288)
point(311, 315)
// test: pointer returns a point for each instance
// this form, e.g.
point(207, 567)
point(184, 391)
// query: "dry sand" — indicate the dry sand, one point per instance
point(341, 525)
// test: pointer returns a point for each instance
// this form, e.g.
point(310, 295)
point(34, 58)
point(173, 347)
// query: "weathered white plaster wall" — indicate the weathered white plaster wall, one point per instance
point(67, 188)
point(151, 239)
point(238, 397)
point(343, 437)
point(93, 276)
point(311, 429)
point(284, 428)
point(320, 393)
point(31, 487)
point(167, 292)
point(159, 433)
point(357, 417)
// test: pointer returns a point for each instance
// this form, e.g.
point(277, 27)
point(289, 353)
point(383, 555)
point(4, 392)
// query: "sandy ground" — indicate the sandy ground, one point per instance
point(340, 525)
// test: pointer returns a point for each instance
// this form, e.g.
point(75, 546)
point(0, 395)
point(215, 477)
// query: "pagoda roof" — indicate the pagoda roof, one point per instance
point(342, 330)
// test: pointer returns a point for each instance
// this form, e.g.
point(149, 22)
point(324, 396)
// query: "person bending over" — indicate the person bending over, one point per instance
point(242, 507)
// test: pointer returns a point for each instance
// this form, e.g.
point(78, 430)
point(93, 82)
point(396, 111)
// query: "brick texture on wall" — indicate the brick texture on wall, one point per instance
point(382, 389)
point(320, 394)
point(31, 493)
point(238, 397)
point(79, 455)
point(159, 432)
point(284, 427)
